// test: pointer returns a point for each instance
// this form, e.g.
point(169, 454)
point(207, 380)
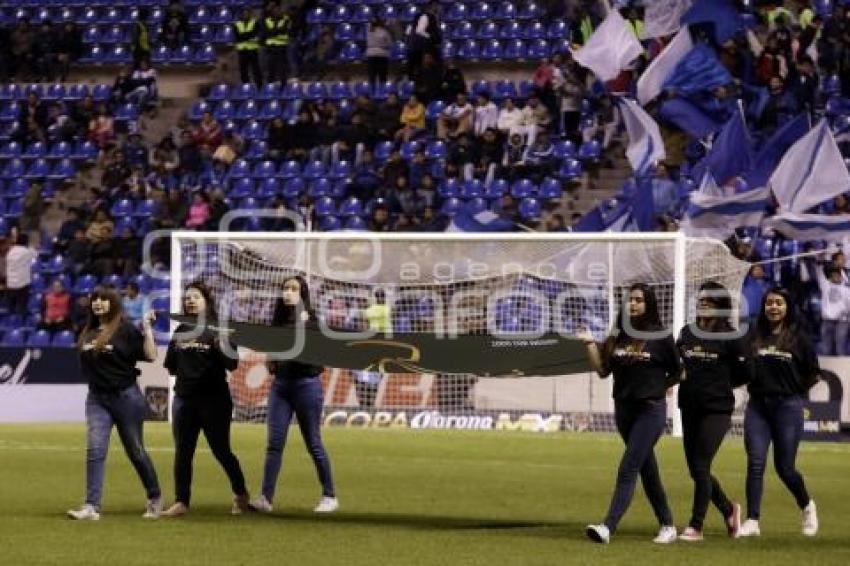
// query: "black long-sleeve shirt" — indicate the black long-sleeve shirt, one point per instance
point(198, 364)
point(781, 372)
point(713, 368)
point(644, 370)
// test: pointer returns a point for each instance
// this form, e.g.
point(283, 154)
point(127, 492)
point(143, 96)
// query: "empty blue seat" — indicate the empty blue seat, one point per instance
point(38, 169)
point(451, 207)
point(85, 284)
point(64, 339)
point(218, 92)
point(123, 207)
point(564, 149)
point(476, 205)
point(320, 187)
point(351, 52)
point(352, 206)
point(469, 49)
point(289, 169)
point(325, 206)
point(330, 223)
point(293, 187)
point(530, 209)
point(523, 188)
point(550, 189)
point(497, 189)
point(472, 188)
point(571, 169)
point(64, 169)
point(268, 188)
point(449, 188)
point(13, 337)
point(145, 208)
point(314, 169)
point(355, 223)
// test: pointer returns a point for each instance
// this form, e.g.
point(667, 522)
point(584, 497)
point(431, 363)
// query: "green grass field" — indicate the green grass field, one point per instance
point(408, 497)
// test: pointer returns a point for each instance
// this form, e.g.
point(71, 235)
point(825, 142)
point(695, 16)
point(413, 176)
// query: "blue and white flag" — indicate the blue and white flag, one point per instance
point(645, 144)
point(484, 221)
point(651, 82)
point(689, 117)
point(721, 17)
point(611, 48)
point(663, 17)
point(730, 153)
point(806, 227)
point(719, 216)
point(709, 188)
point(811, 172)
point(771, 152)
point(699, 71)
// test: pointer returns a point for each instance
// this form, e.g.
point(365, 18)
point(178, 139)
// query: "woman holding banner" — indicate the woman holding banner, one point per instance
point(296, 391)
point(643, 358)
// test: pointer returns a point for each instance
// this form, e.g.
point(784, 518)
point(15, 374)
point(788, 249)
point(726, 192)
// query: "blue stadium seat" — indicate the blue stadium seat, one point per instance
point(268, 188)
point(523, 188)
point(123, 207)
point(550, 189)
point(64, 339)
point(476, 205)
point(325, 206)
point(383, 150)
point(64, 169)
point(530, 209)
point(449, 188)
point(244, 91)
point(314, 169)
point(451, 207)
point(352, 206)
point(218, 93)
point(492, 50)
point(39, 168)
point(289, 169)
point(145, 208)
point(571, 169)
point(355, 223)
point(35, 150)
point(320, 187)
point(330, 223)
point(564, 149)
point(473, 188)
point(351, 52)
point(13, 337)
point(497, 189)
point(85, 284)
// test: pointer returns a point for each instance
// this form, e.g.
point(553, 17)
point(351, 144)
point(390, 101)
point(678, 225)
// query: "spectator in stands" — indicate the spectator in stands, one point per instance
point(164, 155)
point(488, 154)
point(44, 53)
point(141, 41)
point(424, 37)
point(144, 85)
point(69, 48)
point(395, 166)
point(218, 208)
point(60, 125)
point(69, 227)
point(102, 127)
point(128, 253)
point(33, 118)
point(665, 192)
point(22, 41)
point(535, 118)
point(174, 210)
point(322, 52)
point(804, 84)
point(835, 310)
point(510, 118)
point(19, 274)
point(176, 10)
point(208, 134)
point(78, 252)
point(543, 79)
point(514, 156)
point(539, 157)
point(461, 155)
point(199, 212)
point(189, 156)
point(387, 118)
point(230, 148)
point(379, 44)
point(173, 34)
point(771, 63)
point(486, 114)
point(117, 172)
point(412, 119)
point(83, 113)
point(456, 118)
point(555, 223)
point(5, 54)
point(278, 140)
point(33, 207)
point(103, 252)
point(133, 303)
point(247, 32)
point(755, 287)
point(100, 228)
point(277, 27)
point(780, 106)
point(453, 82)
point(135, 151)
point(569, 89)
point(428, 79)
point(380, 219)
point(56, 314)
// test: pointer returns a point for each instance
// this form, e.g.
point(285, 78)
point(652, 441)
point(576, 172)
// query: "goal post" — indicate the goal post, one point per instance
point(449, 284)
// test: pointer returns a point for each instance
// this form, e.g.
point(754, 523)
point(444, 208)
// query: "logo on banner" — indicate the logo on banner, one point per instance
point(15, 375)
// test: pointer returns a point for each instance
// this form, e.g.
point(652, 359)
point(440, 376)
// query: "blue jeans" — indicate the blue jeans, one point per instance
point(833, 337)
point(640, 423)
point(126, 410)
point(301, 397)
point(777, 419)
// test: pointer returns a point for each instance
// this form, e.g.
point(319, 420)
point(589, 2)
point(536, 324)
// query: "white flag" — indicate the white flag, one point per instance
point(806, 227)
point(662, 17)
point(645, 143)
point(708, 187)
point(811, 172)
point(719, 216)
point(610, 49)
point(650, 82)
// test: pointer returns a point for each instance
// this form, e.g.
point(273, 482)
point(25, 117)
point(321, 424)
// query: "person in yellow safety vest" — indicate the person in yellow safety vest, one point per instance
point(775, 11)
point(806, 15)
point(634, 22)
point(141, 39)
point(276, 28)
point(247, 31)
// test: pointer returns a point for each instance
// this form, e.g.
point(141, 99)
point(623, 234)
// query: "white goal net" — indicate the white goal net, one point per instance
point(447, 284)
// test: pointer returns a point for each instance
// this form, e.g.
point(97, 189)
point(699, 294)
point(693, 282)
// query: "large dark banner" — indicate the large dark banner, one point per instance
point(478, 354)
point(41, 366)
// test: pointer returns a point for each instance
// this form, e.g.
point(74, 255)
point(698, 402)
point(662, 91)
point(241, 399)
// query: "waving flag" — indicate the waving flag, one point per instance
point(811, 172)
point(645, 143)
point(689, 117)
point(770, 154)
point(719, 216)
point(610, 49)
point(698, 71)
point(484, 221)
point(720, 16)
point(806, 227)
point(663, 17)
point(730, 152)
point(651, 82)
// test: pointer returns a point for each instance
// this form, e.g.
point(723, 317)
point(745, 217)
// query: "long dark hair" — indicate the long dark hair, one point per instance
point(790, 326)
point(211, 314)
point(722, 301)
point(102, 331)
point(649, 321)
point(286, 314)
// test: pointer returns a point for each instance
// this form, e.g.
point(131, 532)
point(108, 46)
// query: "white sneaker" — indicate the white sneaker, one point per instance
point(85, 513)
point(733, 521)
point(261, 505)
point(153, 509)
point(690, 534)
point(240, 505)
point(810, 519)
point(749, 528)
point(598, 533)
point(666, 535)
point(327, 505)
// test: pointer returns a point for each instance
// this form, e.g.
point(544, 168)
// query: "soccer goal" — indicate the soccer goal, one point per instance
point(450, 286)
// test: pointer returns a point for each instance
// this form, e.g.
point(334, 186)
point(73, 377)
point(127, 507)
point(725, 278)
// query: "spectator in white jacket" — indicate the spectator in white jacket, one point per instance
point(379, 45)
point(835, 310)
point(486, 114)
point(509, 118)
